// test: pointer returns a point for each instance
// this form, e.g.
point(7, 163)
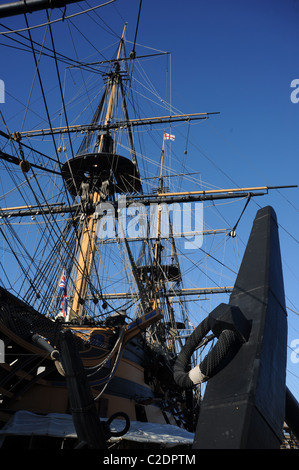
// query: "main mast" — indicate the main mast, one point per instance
point(94, 191)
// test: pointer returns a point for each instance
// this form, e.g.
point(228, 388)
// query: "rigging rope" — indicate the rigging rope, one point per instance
point(63, 18)
point(237, 223)
point(46, 107)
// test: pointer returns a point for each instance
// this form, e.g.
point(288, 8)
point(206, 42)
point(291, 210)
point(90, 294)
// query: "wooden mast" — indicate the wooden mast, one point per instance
point(160, 190)
point(157, 259)
point(87, 241)
point(157, 252)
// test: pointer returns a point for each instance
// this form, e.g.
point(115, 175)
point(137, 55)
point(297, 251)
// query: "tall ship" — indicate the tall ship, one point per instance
point(101, 241)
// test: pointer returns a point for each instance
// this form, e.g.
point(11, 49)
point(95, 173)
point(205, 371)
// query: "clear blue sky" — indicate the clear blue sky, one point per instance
point(238, 58)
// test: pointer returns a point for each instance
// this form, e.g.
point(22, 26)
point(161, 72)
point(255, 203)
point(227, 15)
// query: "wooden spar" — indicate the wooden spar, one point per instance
point(118, 124)
point(29, 6)
point(214, 191)
point(17, 161)
point(151, 199)
point(31, 206)
point(218, 191)
point(112, 93)
point(113, 90)
point(87, 242)
point(189, 291)
point(102, 62)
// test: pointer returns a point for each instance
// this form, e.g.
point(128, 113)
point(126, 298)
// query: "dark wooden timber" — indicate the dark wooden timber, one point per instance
point(85, 417)
point(29, 6)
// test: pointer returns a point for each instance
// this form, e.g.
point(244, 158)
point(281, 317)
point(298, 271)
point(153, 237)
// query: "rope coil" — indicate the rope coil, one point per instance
point(228, 341)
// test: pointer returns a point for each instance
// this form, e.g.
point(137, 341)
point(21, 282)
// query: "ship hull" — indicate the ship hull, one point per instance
point(124, 382)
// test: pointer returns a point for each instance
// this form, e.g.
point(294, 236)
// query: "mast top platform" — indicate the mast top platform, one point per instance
point(93, 169)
